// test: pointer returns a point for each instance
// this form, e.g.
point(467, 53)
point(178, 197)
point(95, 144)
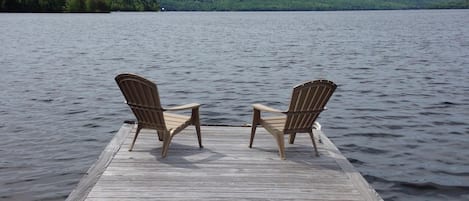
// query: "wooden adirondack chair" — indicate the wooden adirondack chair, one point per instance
point(142, 97)
point(308, 101)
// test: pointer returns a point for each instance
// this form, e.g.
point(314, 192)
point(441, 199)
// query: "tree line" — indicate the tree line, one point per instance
point(221, 5)
point(307, 5)
point(78, 5)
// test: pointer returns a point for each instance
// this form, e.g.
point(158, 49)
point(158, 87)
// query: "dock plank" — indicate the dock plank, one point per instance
point(226, 169)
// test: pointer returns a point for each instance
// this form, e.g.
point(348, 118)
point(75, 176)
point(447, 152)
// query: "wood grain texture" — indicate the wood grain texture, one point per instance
point(226, 169)
point(308, 100)
point(95, 172)
point(142, 97)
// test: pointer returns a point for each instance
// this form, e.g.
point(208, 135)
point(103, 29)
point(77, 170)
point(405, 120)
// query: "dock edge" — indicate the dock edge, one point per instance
point(365, 189)
point(93, 174)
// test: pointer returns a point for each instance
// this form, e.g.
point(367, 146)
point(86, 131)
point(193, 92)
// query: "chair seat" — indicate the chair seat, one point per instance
point(141, 95)
point(175, 122)
point(276, 123)
point(308, 100)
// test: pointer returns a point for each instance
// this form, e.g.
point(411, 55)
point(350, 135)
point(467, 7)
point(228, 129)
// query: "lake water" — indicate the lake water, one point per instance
point(400, 113)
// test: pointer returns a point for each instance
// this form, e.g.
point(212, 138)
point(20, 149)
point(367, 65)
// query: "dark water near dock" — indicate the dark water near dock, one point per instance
point(400, 114)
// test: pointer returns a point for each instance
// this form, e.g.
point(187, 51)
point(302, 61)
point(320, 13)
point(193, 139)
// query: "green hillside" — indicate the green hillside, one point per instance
point(221, 5)
point(78, 5)
point(307, 5)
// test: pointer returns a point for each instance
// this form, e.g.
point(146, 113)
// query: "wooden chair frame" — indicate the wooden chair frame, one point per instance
point(142, 97)
point(308, 100)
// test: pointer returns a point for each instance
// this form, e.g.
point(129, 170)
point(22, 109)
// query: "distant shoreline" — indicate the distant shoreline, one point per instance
point(108, 12)
point(106, 6)
point(309, 5)
point(300, 10)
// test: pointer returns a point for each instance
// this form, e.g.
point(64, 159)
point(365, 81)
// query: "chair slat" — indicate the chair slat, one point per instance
point(311, 96)
point(308, 100)
point(143, 99)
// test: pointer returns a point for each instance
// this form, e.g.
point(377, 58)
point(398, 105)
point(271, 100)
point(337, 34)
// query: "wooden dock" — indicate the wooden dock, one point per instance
point(225, 169)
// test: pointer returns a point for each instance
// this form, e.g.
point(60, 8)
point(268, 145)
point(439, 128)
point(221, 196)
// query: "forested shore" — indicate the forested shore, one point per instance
point(78, 5)
point(223, 5)
point(308, 5)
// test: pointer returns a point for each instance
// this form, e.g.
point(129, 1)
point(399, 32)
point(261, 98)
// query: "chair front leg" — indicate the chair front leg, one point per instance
point(255, 121)
point(196, 122)
point(166, 142)
point(281, 145)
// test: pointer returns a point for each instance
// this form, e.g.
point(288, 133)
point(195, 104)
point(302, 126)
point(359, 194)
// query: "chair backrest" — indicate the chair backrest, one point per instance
point(308, 101)
point(142, 97)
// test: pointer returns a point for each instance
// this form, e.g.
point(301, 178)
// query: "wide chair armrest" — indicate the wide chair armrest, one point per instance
point(183, 107)
point(265, 108)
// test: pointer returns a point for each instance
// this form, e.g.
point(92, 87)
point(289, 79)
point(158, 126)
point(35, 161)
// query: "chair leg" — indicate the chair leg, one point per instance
point(166, 142)
point(135, 137)
point(196, 123)
point(314, 142)
point(199, 135)
point(292, 138)
point(160, 137)
point(281, 145)
point(255, 121)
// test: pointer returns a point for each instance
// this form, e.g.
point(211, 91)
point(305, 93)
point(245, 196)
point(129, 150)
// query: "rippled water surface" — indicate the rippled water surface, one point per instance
point(400, 114)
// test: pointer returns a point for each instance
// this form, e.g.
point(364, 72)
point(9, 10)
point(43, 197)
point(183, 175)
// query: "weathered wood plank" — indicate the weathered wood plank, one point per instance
point(265, 195)
point(226, 169)
point(150, 184)
point(93, 174)
point(312, 198)
point(356, 178)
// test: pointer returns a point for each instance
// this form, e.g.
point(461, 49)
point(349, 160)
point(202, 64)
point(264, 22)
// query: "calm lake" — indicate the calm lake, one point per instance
point(400, 113)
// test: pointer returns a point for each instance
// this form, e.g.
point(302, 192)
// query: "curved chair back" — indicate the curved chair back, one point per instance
point(308, 101)
point(142, 97)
